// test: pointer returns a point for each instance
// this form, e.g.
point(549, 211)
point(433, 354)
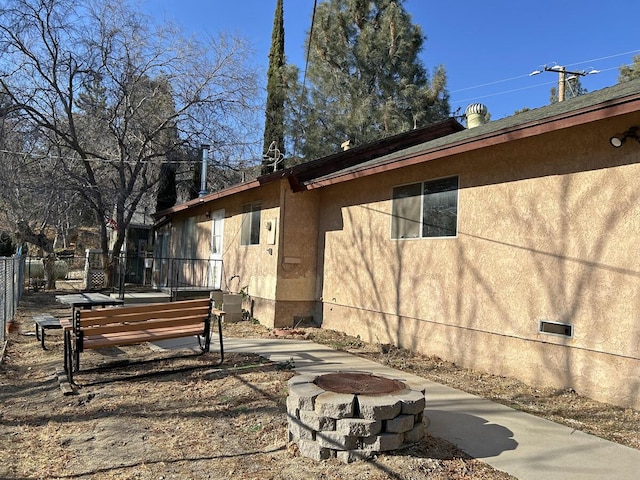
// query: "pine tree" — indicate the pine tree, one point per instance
point(630, 72)
point(167, 192)
point(274, 119)
point(365, 78)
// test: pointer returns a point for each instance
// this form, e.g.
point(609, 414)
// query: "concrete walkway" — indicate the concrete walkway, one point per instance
point(520, 444)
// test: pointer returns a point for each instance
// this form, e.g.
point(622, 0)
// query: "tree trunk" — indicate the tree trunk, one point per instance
point(49, 260)
point(26, 234)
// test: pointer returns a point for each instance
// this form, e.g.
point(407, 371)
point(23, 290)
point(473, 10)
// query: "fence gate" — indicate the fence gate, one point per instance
point(11, 287)
point(94, 277)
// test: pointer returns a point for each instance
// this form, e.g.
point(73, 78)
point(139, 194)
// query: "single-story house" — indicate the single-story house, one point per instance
point(511, 247)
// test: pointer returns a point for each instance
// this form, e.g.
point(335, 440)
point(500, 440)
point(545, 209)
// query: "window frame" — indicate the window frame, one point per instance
point(189, 240)
point(398, 222)
point(251, 223)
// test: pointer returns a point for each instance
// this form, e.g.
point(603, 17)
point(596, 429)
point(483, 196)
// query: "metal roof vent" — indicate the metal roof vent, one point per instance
point(476, 114)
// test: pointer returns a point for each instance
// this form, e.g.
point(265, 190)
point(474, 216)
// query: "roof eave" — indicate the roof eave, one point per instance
point(196, 202)
point(573, 118)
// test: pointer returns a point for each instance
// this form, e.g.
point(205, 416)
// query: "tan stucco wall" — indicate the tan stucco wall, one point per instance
point(548, 229)
point(279, 274)
point(297, 273)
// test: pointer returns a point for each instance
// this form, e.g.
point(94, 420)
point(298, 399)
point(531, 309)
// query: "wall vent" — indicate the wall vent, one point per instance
point(556, 328)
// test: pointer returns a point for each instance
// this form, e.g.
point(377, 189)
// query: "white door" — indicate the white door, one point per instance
point(215, 258)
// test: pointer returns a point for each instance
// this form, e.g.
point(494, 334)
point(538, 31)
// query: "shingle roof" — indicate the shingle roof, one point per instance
point(628, 91)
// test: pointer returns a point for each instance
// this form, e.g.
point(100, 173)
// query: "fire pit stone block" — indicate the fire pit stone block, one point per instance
point(313, 450)
point(349, 456)
point(400, 424)
point(383, 407)
point(304, 395)
point(297, 430)
point(316, 422)
point(416, 434)
point(383, 442)
point(359, 427)
point(336, 440)
point(304, 378)
point(335, 405)
point(412, 401)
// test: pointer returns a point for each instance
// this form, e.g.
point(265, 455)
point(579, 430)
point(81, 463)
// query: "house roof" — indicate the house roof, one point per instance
point(330, 164)
point(355, 156)
point(608, 102)
point(438, 141)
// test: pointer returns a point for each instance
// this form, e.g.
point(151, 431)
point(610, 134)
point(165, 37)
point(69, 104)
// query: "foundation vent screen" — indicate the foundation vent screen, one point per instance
point(556, 328)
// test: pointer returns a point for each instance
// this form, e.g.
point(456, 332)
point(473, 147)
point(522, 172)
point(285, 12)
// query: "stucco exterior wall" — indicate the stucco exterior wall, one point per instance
point(548, 229)
point(297, 273)
point(279, 273)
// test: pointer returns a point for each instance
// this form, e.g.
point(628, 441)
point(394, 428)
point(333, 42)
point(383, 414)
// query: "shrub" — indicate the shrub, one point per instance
point(7, 248)
point(35, 268)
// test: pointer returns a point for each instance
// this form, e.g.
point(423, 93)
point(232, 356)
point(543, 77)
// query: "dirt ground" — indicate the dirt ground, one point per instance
point(180, 417)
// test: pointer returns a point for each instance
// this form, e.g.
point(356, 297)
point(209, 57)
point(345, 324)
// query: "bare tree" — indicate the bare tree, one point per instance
point(112, 96)
point(32, 199)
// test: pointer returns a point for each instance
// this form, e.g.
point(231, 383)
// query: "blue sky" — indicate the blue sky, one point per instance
point(487, 48)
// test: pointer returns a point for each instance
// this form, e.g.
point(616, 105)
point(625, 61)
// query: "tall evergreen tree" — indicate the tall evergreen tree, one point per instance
point(167, 195)
point(273, 149)
point(630, 72)
point(366, 80)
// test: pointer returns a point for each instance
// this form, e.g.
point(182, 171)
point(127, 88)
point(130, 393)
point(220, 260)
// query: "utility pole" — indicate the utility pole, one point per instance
point(562, 77)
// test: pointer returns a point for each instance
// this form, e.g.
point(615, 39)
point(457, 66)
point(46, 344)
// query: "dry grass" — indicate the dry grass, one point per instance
point(172, 418)
point(180, 417)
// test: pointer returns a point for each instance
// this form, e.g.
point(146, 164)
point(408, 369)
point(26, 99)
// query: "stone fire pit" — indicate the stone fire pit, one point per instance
point(352, 415)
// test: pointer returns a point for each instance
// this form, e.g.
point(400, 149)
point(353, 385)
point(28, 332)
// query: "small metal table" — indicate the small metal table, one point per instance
point(84, 301)
point(88, 300)
point(44, 322)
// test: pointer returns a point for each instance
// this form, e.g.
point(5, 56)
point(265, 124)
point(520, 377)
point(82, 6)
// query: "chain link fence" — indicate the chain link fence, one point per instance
point(11, 286)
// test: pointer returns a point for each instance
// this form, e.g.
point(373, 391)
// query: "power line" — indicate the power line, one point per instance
point(504, 92)
point(604, 58)
point(490, 83)
point(538, 85)
point(36, 157)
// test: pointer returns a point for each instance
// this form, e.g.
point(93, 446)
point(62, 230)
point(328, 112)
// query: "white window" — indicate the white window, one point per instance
point(426, 209)
point(250, 234)
point(189, 241)
point(215, 257)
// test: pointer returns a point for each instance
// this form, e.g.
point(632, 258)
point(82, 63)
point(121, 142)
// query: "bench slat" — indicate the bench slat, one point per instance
point(139, 336)
point(151, 307)
point(128, 317)
point(158, 323)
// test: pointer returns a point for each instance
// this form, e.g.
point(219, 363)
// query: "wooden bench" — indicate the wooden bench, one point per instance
point(132, 325)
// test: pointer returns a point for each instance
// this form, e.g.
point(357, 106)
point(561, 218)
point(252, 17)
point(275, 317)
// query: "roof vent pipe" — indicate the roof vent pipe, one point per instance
point(476, 114)
point(203, 173)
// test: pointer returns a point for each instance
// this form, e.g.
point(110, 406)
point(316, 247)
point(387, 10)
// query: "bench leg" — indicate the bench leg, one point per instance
point(68, 356)
point(42, 334)
point(219, 317)
point(37, 331)
point(76, 358)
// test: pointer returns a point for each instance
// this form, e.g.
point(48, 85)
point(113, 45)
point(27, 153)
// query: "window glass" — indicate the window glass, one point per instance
point(426, 209)
point(440, 213)
point(250, 232)
point(406, 211)
point(189, 240)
